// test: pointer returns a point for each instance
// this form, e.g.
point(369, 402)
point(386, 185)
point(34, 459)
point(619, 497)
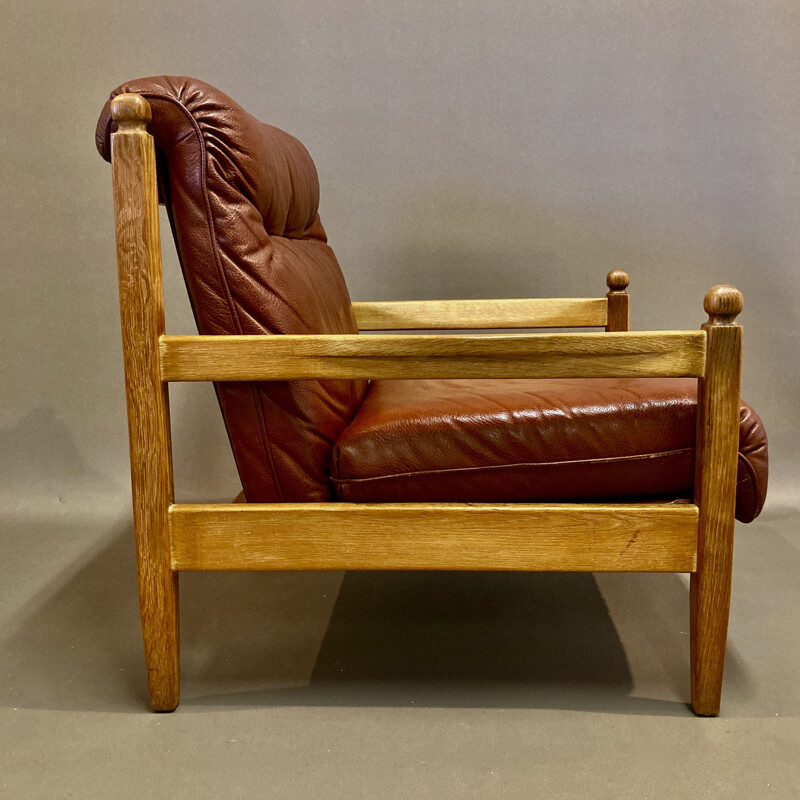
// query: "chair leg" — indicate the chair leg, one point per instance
point(709, 609)
point(158, 603)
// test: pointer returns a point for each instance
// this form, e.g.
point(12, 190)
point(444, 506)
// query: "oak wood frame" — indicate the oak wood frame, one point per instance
point(695, 538)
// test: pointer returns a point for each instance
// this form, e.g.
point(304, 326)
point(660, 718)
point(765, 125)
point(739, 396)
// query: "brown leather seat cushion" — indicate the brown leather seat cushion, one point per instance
point(533, 441)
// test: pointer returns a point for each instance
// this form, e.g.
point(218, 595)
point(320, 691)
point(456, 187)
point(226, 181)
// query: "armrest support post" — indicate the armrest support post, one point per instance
point(617, 298)
point(715, 495)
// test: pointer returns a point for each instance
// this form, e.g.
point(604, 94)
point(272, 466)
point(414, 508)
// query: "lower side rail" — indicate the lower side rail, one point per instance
point(449, 536)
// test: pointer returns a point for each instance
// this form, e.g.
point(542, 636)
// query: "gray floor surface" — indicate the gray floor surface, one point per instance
point(393, 685)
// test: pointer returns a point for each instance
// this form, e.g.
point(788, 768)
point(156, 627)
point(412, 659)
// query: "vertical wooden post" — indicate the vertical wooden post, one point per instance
point(142, 313)
point(715, 494)
point(617, 297)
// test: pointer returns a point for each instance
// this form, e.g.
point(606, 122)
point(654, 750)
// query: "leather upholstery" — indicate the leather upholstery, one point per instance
point(532, 441)
point(242, 198)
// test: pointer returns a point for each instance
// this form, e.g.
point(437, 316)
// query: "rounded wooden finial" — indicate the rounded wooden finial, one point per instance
point(723, 304)
point(130, 111)
point(617, 280)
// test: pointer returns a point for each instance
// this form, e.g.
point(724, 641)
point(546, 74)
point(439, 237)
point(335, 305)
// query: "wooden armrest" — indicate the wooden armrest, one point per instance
point(573, 312)
point(398, 356)
point(610, 312)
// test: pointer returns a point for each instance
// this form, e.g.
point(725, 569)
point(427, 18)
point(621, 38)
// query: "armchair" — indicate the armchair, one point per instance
point(584, 451)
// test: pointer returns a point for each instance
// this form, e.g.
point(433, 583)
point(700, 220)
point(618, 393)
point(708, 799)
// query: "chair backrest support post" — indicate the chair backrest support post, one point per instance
point(142, 315)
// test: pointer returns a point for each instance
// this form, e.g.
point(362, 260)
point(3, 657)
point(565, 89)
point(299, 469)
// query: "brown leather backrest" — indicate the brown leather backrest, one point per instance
point(242, 197)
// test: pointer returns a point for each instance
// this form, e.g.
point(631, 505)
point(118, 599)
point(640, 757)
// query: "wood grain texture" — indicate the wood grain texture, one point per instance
point(566, 355)
point(715, 494)
point(333, 536)
point(577, 312)
point(142, 314)
point(618, 301)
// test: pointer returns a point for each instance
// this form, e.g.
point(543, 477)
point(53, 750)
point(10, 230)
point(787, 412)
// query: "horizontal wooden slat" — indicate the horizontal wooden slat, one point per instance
point(552, 355)
point(319, 536)
point(549, 312)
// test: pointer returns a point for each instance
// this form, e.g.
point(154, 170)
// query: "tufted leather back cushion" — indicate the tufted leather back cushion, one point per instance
point(242, 198)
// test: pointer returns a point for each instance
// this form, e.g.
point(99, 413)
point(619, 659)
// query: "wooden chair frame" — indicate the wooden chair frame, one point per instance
point(695, 537)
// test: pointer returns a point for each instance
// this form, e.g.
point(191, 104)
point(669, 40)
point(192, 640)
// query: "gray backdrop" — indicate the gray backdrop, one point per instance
point(464, 150)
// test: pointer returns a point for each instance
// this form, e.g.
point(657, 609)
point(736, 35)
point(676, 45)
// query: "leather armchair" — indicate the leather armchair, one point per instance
point(607, 450)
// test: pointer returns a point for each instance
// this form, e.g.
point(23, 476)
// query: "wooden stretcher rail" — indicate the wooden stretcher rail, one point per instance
point(579, 312)
point(552, 355)
point(338, 536)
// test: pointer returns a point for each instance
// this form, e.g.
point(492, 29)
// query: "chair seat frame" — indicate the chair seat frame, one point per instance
point(695, 538)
